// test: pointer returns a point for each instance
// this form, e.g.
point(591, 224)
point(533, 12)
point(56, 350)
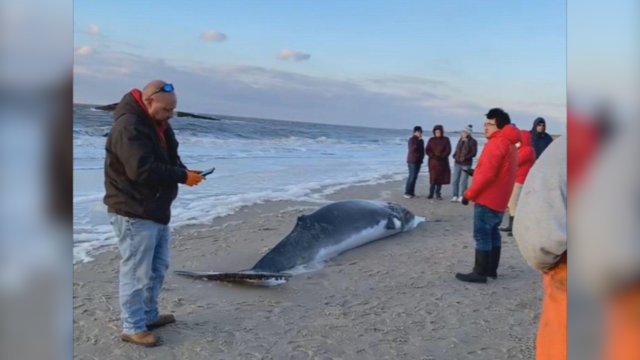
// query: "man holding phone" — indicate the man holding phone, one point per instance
point(142, 173)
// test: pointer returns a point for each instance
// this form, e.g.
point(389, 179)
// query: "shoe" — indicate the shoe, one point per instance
point(510, 227)
point(143, 338)
point(407, 196)
point(480, 269)
point(430, 197)
point(163, 320)
point(439, 197)
point(495, 261)
point(455, 199)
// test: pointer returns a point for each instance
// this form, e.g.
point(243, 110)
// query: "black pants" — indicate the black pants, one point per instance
point(437, 189)
point(414, 170)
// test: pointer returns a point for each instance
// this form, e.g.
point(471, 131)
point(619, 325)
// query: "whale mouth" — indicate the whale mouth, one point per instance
point(248, 276)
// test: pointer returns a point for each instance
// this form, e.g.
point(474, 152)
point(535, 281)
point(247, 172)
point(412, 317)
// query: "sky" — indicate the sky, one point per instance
point(364, 63)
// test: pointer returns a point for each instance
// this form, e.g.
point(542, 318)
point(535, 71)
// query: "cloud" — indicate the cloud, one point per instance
point(213, 36)
point(84, 50)
point(261, 92)
point(287, 54)
point(93, 29)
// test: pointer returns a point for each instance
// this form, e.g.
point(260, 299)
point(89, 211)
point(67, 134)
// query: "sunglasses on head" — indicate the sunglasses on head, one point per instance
point(164, 88)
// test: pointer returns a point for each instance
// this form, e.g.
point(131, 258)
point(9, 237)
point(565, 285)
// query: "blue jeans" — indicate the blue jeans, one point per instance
point(414, 170)
point(460, 179)
point(144, 247)
point(486, 224)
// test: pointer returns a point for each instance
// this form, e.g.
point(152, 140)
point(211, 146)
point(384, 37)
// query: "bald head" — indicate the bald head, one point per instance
point(160, 104)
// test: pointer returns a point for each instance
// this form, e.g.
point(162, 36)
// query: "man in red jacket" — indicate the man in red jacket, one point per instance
point(493, 181)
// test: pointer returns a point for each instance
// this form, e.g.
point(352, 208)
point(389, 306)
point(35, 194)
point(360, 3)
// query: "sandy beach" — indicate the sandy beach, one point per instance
point(392, 299)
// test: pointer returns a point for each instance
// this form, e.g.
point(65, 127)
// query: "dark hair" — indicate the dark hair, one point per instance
point(500, 116)
point(417, 128)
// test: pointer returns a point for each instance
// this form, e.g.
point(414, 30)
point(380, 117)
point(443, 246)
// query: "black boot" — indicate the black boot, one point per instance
point(432, 189)
point(495, 261)
point(480, 269)
point(510, 227)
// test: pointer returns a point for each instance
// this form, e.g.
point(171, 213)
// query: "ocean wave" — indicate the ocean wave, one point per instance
point(205, 209)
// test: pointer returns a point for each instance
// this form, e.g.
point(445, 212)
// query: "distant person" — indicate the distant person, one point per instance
point(493, 181)
point(526, 159)
point(415, 158)
point(142, 172)
point(438, 149)
point(466, 150)
point(540, 139)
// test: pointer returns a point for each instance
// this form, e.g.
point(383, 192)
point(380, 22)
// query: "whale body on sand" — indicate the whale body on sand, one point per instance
point(321, 235)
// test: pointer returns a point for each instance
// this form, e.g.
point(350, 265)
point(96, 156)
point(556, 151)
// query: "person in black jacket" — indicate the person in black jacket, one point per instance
point(142, 172)
point(415, 158)
point(540, 139)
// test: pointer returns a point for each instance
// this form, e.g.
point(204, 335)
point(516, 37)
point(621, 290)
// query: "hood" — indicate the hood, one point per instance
point(509, 132)
point(525, 138)
point(438, 127)
point(131, 103)
point(536, 122)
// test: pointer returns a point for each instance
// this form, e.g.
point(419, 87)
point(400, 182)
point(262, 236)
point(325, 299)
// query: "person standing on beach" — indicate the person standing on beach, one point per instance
point(493, 181)
point(415, 158)
point(606, 256)
point(540, 232)
point(540, 139)
point(142, 172)
point(466, 150)
point(438, 149)
point(526, 159)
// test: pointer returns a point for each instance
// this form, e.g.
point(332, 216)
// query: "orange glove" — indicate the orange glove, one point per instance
point(193, 178)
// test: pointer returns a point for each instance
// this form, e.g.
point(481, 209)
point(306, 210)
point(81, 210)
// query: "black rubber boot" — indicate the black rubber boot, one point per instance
point(480, 269)
point(495, 262)
point(510, 227)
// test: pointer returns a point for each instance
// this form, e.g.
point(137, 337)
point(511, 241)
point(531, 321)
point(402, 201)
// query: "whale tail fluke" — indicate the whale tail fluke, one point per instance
point(251, 276)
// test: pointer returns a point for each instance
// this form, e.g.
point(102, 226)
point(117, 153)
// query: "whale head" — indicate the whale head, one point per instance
point(408, 219)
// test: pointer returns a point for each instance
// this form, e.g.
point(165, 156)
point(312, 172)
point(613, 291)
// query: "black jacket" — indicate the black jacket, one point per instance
point(540, 141)
point(415, 154)
point(141, 175)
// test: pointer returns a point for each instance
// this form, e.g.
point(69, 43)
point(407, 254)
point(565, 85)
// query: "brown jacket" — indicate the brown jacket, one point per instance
point(438, 150)
point(141, 175)
point(464, 154)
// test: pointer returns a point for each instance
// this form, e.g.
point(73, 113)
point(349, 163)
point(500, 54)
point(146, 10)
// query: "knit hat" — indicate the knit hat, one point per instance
point(467, 130)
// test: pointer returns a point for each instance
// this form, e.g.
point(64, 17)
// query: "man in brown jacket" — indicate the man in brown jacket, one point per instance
point(142, 172)
point(466, 150)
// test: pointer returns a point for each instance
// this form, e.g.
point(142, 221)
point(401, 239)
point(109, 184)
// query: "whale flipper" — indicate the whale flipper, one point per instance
point(235, 276)
point(391, 223)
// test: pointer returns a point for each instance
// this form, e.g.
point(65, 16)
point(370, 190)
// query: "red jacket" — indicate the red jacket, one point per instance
point(495, 175)
point(526, 156)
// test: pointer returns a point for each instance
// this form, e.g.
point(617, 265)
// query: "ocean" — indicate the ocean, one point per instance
point(256, 160)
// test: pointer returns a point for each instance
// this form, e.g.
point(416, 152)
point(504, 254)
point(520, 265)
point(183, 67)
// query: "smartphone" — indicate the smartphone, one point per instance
point(208, 172)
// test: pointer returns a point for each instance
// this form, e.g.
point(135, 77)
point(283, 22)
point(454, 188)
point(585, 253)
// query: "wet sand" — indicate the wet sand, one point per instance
point(392, 299)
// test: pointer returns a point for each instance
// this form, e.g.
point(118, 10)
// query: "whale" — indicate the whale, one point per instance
point(325, 233)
